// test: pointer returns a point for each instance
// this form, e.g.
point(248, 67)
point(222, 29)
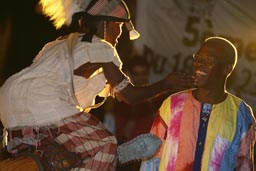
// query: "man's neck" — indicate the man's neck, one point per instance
point(209, 96)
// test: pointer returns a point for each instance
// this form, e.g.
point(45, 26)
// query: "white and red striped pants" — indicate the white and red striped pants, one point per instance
point(85, 135)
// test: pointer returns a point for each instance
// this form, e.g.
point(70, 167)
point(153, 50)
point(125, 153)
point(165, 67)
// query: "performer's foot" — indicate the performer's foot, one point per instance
point(141, 147)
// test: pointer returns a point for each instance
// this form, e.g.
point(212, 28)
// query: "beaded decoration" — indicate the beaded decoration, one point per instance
point(119, 87)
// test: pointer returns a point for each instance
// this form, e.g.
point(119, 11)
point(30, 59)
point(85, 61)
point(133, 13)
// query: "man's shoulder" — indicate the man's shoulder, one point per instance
point(181, 93)
point(239, 101)
point(178, 96)
point(243, 108)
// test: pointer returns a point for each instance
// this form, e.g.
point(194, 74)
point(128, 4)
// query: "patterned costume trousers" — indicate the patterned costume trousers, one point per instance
point(82, 134)
point(85, 134)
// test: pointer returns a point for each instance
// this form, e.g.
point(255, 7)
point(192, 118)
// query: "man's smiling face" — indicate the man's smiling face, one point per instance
point(208, 66)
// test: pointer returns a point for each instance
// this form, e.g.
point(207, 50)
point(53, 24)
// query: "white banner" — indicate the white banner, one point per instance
point(172, 30)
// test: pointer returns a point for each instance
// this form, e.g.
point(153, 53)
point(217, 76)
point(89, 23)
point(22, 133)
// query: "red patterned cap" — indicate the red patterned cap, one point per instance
point(61, 11)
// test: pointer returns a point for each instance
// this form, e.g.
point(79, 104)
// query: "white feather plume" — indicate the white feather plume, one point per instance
point(60, 11)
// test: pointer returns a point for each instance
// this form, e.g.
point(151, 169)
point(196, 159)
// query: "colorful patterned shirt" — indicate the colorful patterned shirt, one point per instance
point(229, 140)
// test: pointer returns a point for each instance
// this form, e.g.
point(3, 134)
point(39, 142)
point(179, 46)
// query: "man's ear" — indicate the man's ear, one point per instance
point(228, 69)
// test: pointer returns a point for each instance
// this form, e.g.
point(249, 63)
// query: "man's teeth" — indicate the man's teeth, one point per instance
point(200, 73)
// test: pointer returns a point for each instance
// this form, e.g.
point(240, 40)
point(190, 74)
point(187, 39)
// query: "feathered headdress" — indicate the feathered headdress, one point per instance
point(62, 11)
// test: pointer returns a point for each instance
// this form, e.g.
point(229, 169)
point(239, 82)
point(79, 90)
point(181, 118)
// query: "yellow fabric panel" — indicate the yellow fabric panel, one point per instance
point(165, 110)
point(222, 120)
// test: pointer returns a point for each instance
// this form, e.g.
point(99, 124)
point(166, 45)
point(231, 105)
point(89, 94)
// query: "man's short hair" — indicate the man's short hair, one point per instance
point(228, 49)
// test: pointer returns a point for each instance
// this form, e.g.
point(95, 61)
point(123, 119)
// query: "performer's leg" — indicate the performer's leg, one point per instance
point(86, 135)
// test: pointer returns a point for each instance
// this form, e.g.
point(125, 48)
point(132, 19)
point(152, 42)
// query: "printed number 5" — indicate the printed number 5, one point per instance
point(191, 29)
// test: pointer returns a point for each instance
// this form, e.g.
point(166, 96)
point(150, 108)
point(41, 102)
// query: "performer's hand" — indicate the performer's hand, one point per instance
point(179, 81)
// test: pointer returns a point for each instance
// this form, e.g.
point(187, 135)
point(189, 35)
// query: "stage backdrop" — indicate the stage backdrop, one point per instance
point(172, 30)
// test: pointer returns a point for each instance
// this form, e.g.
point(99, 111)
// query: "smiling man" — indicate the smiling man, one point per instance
point(206, 128)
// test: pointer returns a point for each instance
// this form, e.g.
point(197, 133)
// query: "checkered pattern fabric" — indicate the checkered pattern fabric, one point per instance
point(112, 8)
point(82, 134)
point(86, 135)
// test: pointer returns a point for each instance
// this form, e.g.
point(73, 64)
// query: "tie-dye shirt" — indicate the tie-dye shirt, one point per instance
point(229, 140)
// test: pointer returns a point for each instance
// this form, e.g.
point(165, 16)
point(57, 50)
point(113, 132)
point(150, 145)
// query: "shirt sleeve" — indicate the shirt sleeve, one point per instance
point(159, 126)
point(99, 51)
point(245, 156)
